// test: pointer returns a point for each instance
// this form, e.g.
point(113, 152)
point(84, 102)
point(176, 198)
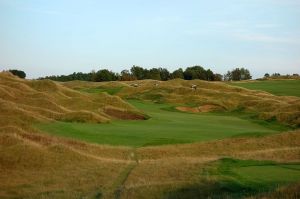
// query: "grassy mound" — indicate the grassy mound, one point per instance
point(285, 109)
point(35, 166)
point(281, 108)
point(192, 170)
point(44, 100)
point(38, 165)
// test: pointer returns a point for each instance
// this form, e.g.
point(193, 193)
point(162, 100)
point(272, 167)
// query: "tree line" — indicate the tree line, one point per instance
point(140, 73)
point(278, 75)
point(162, 74)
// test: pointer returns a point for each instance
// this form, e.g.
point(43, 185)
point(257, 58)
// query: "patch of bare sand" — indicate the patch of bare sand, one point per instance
point(200, 109)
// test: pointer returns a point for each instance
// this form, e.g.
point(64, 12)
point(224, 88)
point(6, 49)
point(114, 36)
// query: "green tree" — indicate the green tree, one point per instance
point(237, 74)
point(218, 77)
point(164, 74)
point(267, 75)
point(228, 76)
point(209, 75)
point(154, 73)
point(138, 72)
point(195, 72)
point(276, 75)
point(18, 73)
point(126, 76)
point(245, 74)
point(177, 74)
point(104, 75)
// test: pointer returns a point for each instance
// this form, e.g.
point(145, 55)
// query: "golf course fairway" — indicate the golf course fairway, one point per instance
point(164, 127)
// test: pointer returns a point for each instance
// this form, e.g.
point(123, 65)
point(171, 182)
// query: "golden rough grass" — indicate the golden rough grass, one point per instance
point(36, 165)
point(33, 165)
point(286, 109)
point(28, 171)
point(45, 100)
point(229, 147)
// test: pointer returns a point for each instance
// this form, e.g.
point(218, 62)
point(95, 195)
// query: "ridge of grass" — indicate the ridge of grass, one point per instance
point(111, 91)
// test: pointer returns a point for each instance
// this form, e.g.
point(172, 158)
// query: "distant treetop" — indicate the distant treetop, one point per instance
point(237, 74)
point(18, 73)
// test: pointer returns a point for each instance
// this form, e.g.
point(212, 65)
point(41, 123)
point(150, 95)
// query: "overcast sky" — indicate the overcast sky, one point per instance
point(50, 37)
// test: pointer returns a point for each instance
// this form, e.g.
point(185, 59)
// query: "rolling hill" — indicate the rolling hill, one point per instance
point(36, 162)
point(220, 96)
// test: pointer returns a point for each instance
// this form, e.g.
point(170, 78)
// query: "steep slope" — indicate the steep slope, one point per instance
point(36, 165)
point(208, 96)
point(27, 101)
point(220, 96)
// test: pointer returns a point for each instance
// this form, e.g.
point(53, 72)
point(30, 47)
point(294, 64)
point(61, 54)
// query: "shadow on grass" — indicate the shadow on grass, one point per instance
point(231, 178)
point(210, 190)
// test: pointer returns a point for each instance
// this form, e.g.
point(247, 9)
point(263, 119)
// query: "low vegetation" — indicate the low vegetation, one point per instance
point(18, 73)
point(25, 101)
point(284, 109)
point(239, 179)
point(130, 140)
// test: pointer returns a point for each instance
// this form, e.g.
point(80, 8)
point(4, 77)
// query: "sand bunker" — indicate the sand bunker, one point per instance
point(200, 109)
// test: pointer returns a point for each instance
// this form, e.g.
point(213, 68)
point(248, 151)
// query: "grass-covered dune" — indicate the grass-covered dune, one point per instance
point(221, 96)
point(58, 140)
point(26, 101)
point(35, 165)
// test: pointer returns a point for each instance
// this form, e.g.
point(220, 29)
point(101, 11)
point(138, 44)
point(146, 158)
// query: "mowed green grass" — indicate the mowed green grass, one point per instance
point(255, 176)
point(276, 87)
point(232, 178)
point(164, 127)
point(270, 174)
